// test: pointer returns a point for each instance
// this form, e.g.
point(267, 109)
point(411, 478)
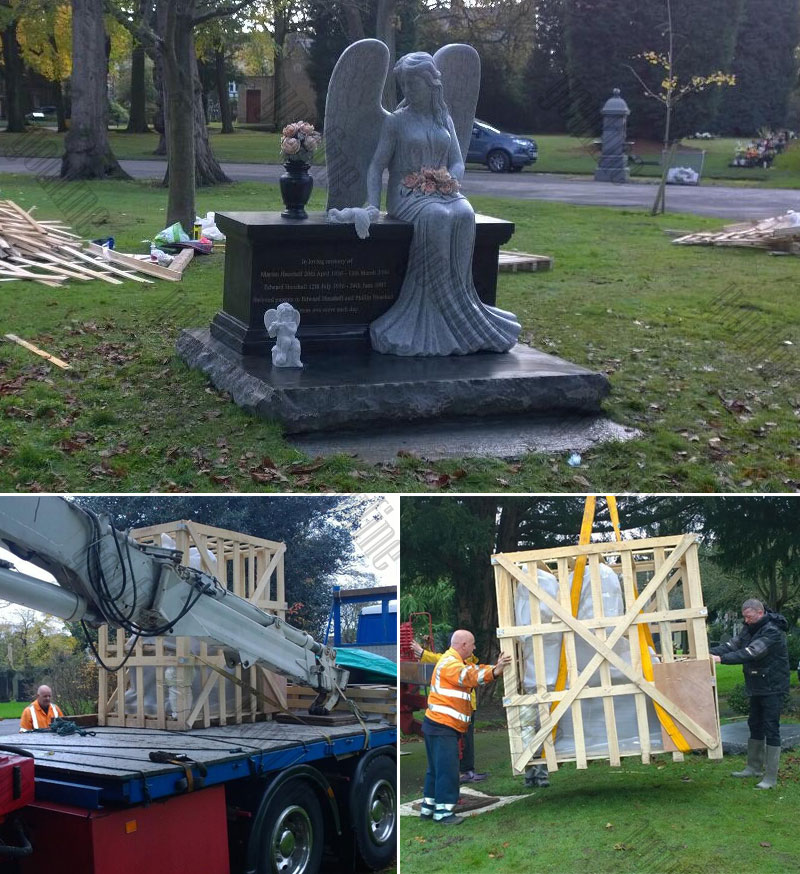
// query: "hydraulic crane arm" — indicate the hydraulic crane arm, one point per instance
point(104, 576)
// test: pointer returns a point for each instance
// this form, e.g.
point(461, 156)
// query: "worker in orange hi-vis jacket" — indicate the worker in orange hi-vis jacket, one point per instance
point(448, 716)
point(468, 774)
point(41, 712)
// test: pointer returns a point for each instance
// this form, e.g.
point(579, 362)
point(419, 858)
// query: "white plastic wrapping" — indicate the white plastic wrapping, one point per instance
point(173, 677)
point(595, 738)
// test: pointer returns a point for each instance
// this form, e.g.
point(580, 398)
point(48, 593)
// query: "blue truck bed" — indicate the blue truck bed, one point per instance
point(112, 766)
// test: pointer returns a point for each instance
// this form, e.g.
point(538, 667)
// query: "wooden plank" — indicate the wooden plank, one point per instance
point(690, 685)
point(149, 267)
point(102, 273)
point(36, 350)
point(263, 582)
point(103, 263)
point(60, 269)
point(605, 548)
point(511, 678)
point(181, 260)
point(609, 717)
point(15, 272)
point(513, 262)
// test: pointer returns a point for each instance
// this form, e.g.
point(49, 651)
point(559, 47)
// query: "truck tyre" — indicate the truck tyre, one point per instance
point(374, 813)
point(498, 161)
point(292, 836)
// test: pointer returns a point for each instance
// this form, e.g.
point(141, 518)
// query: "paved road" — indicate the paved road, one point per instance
point(711, 200)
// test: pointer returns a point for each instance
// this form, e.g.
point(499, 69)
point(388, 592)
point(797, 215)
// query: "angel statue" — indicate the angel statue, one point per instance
point(438, 311)
point(282, 323)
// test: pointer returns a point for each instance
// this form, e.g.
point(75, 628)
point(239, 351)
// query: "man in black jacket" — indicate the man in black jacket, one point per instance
point(761, 650)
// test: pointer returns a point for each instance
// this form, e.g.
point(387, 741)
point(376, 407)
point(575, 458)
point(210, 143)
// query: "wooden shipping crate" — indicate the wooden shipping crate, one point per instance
point(171, 682)
point(371, 700)
point(606, 708)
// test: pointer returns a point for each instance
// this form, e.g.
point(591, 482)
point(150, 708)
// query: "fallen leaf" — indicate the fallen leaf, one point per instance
point(310, 467)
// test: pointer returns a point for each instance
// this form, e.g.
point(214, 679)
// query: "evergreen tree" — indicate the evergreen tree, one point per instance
point(546, 98)
point(604, 39)
point(318, 532)
point(765, 66)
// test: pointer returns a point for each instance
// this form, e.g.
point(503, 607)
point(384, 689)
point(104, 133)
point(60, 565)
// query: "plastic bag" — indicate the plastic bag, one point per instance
point(173, 234)
point(209, 227)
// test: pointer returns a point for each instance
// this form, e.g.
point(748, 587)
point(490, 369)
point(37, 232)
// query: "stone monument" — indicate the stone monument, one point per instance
point(613, 163)
point(398, 320)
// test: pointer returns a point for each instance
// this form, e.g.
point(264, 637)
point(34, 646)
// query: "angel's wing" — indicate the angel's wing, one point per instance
point(353, 120)
point(460, 66)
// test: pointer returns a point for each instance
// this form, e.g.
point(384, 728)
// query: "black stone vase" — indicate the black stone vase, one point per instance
point(296, 184)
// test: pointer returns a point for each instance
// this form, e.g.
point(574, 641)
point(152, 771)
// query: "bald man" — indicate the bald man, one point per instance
point(447, 718)
point(41, 712)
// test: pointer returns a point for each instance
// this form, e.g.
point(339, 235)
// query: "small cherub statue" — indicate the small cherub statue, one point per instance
point(282, 323)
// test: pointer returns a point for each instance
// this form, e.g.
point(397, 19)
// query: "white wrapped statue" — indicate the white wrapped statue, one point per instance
point(438, 311)
point(282, 324)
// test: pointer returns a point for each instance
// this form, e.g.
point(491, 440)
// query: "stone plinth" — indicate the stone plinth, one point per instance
point(345, 387)
point(338, 282)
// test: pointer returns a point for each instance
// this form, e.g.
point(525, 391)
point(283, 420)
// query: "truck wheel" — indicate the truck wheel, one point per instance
point(498, 161)
point(293, 835)
point(374, 813)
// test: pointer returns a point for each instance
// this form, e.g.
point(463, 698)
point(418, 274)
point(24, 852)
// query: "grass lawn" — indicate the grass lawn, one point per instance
point(692, 340)
point(558, 153)
point(12, 709)
point(674, 818)
point(728, 677)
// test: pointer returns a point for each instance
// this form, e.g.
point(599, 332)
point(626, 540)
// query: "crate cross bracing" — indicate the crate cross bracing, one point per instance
point(664, 571)
point(159, 676)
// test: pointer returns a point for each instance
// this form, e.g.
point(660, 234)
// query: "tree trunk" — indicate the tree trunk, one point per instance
point(222, 91)
point(179, 72)
point(61, 112)
point(278, 92)
point(354, 26)
point(13, 73)
point(87, 153)
point(385, 31)
point(207, 168)
point(158, 115)
point(137, 121)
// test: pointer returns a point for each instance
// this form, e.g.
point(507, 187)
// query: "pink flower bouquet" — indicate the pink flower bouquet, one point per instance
point(430, 180)
point(299, 141)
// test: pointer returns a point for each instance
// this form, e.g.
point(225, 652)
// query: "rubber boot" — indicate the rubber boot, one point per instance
point(755, 760)
point(770, 780)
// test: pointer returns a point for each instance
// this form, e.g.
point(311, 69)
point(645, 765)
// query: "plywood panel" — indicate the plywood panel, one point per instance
point(690, 685)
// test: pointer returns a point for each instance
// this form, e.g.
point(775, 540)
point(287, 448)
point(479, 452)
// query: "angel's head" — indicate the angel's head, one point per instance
point(421, 84)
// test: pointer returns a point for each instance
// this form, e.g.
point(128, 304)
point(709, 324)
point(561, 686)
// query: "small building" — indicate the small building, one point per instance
point(258, 102)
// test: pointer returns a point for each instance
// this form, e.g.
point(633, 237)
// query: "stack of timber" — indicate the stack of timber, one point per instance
point(178, 683)
point(638, 655)
point(778, 234)
point(517, 262)
point(376, 701)
point(48, 252)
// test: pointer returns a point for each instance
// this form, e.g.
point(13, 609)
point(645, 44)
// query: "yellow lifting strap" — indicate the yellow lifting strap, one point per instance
point(645, 636)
